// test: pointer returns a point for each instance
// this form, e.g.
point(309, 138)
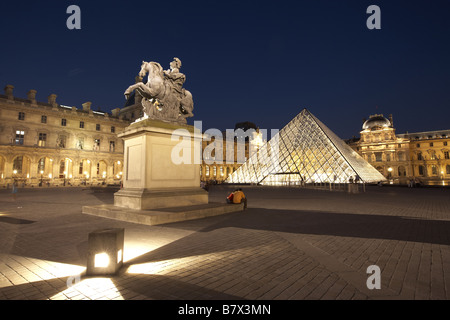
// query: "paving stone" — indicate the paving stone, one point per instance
point(291, 243)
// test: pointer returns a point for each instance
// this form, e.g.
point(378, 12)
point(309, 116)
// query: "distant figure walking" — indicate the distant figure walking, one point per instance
point(14, 190)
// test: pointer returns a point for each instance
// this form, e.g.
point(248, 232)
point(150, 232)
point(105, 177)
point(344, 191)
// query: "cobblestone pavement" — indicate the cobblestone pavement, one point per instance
point(291, 243)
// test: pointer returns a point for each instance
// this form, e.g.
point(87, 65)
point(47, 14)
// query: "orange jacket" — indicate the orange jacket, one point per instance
point(238, 196)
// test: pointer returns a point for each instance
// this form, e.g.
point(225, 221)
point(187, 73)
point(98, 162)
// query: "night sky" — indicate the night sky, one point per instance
point(244, 60)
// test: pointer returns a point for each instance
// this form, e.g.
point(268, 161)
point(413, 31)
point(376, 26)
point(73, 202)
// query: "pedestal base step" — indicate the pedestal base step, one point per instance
point(163, 215)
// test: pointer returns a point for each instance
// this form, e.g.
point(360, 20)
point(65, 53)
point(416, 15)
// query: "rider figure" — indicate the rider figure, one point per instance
point(174, 76)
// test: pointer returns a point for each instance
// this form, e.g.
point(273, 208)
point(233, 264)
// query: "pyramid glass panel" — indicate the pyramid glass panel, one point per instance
point(304, 151)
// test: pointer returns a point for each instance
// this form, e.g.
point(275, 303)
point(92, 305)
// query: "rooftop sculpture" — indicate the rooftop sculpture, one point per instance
point(163, 95)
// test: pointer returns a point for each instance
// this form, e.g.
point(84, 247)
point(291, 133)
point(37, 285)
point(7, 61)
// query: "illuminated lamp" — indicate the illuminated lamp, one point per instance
point(105, 251)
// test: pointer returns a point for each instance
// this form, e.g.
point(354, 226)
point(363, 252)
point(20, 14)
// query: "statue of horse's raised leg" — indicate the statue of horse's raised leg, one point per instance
point(141, 88)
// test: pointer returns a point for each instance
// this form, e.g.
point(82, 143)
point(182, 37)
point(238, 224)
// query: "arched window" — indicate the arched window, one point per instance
point(41, 165)
point(401, 171)
point(17, 165)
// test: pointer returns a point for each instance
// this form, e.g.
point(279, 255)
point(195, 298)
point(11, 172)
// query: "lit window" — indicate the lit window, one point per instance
point(433, 170)
point(42, 139)
point(62, 169)
point(41, 166)
point(96, 144)
point(17, 165)
point(20, 135)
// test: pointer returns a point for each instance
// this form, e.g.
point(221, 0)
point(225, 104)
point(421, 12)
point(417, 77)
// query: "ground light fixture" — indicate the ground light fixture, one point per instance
point(105, 251)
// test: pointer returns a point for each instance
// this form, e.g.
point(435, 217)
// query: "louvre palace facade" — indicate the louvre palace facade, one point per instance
point(420, 156)
point(46, 143)
point(50, 144)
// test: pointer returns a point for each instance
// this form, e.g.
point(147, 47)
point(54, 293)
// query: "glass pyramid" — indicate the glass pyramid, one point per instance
point(305, 151)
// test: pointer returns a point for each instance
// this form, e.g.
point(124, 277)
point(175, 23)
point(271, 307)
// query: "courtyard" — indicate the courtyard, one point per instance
point(291, 243)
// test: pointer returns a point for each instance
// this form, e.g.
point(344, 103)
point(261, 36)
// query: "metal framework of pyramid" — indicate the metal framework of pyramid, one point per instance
point(305, 151)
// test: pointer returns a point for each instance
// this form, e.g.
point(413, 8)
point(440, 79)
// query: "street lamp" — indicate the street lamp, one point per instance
point(42, 172)
point(105, 251)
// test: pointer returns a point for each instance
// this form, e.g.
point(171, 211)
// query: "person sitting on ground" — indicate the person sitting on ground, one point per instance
point(239, 197)
point(230, 197)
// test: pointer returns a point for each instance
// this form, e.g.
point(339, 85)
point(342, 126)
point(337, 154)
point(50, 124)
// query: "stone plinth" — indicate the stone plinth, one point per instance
point(162, 216)
point(157, 187)
point(159, 167)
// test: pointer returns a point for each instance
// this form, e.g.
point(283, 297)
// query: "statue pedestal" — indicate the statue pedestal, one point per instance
point(153, 176)
point(157, 190)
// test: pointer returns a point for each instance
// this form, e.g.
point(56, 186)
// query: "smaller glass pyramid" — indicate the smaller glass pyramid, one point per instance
point(305, 151)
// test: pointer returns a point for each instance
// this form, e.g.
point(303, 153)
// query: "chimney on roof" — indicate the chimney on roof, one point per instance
point(52, 100)
point(9, 91)
point(87, 106)
point(31, 95)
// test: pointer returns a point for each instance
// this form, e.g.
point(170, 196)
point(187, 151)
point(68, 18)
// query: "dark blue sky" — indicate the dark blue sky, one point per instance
point(259, 61)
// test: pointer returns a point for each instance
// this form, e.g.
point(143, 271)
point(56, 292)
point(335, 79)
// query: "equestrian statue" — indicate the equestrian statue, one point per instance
point(163, 95)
